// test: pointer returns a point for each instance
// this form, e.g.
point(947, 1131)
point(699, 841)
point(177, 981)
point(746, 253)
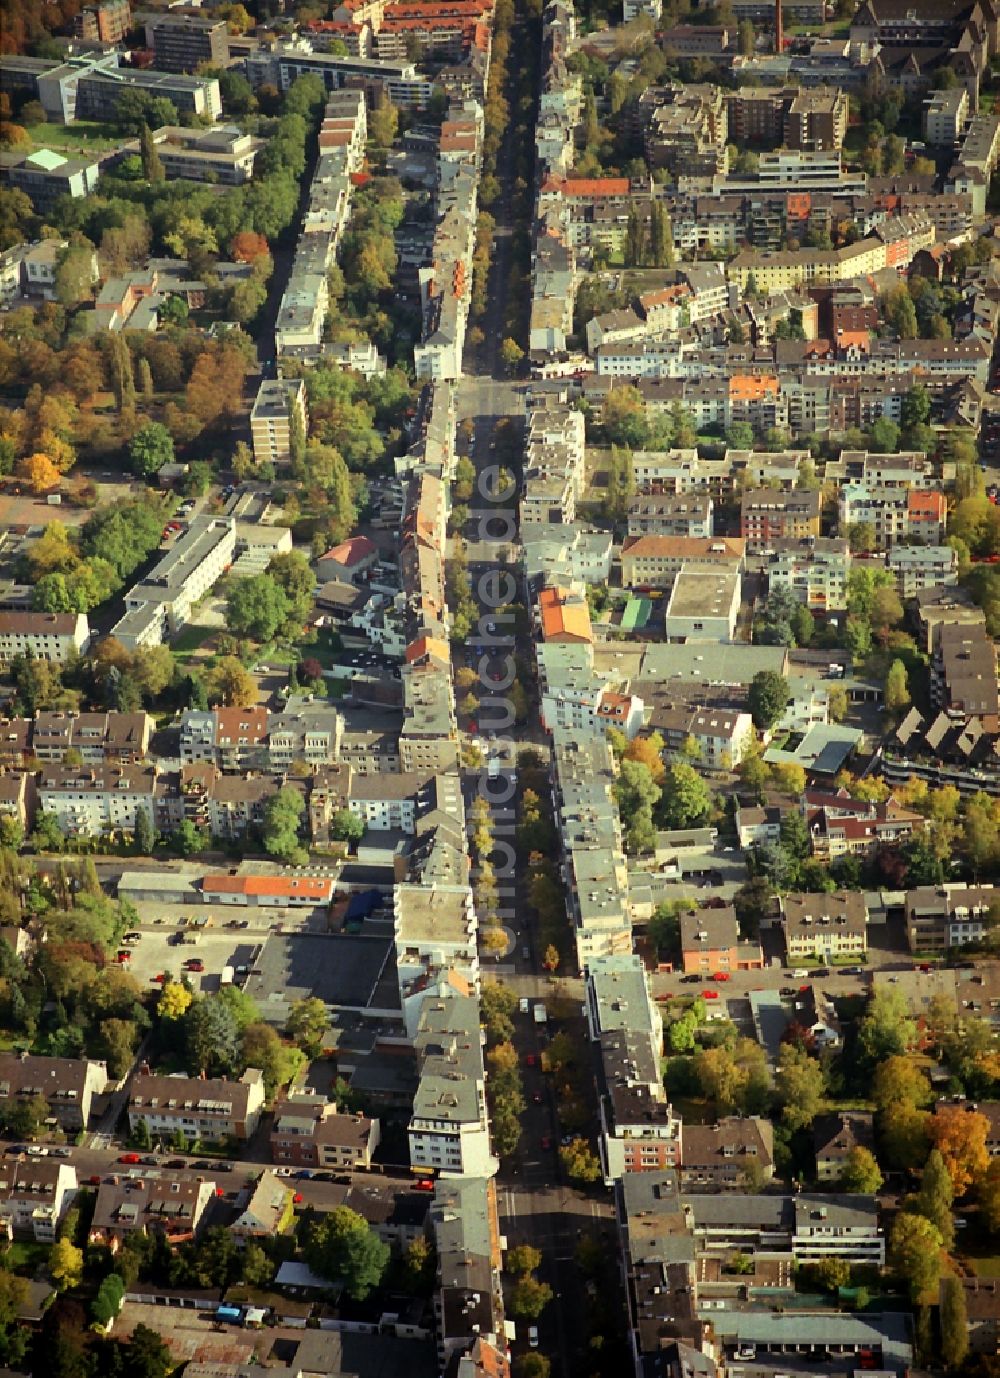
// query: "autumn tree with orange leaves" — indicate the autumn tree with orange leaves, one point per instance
point(960, 1136)
point(38, 472)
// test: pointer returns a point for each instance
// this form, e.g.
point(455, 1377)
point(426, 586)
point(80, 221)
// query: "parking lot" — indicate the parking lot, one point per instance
point(231, 937)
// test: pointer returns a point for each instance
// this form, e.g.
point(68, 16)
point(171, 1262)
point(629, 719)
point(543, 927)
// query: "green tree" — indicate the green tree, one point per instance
point(145, 833)
point(107, 1303)
point(861, 1171)
point(528, 1298)
point(343, 1247)
point(257, 607)
point(308, 1022)
point(66, 1265)
point(934, 1199)
point(800, 1086)
point(532, 1364)
point(579, 1161)
point(897, 694)
point(523, 1260)
point(954, 1321)
point(768, 698)
point(915, 1254)
point(511, 354)
point(152, 163)
point(887, 1028)
point(282, 818)
point(686, 801)
point(346, 826)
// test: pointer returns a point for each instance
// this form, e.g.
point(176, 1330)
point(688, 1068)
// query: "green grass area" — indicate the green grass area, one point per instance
point(191, 638)
point(79, 137)
point(24, 1257)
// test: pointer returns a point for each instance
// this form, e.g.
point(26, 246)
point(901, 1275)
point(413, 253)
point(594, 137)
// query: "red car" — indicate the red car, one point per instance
point(123, 957)
point(160, 977)
point(194, 964)
point(425, 1184)
point(130, 1158)
point(710, 995)
point(530, 1060)
point(720, 976)
point(546, 1142)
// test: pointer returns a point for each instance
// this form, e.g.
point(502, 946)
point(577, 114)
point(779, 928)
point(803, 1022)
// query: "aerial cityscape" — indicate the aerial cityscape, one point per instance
point(499, 695)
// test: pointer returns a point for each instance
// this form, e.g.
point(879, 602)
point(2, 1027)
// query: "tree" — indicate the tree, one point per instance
point(861, 1171)
point(152, 163)
point(292, 574)
point(343, 1247)
point(308, 1021)
point(954, 1321)
point(261, 1047)
point(897, 694)
point(887, 1027)
point(282, 817)
point(150, 448)
point(960, 1135)
point(511, 354)
point(145, 833)
point(66, 1265)
point(532, 1364)
point(108, 1301)
point(346, 826)
point(257, 607)
point(39, 472)
point(800, 1085)
point(74, 276)
point(523, 1259)
point(229, 682)
point(383, 123)
point(211, 1037)
point(768, 698)
point(529, 1298)
point(550, 958)
point(915, 1254)
point(579, 1161)
point(934, 1199)
point(686, 801)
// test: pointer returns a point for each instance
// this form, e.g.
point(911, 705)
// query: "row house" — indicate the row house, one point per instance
point(896, 515)
point(671, 514)
point(54, 636)
point(35, 1194)
point(824, 926)
point(89, 801)
point(463, 1224)
point(941, 917)
point(310, 1131)
point(171, 1206)
point(728, 1155)
point(69, 1086)
point(767, 516)
point(815, 569)
point(448, 1130)
point(213, 1110)
point(638, 1129)
point(655, 561)
point(710, 942)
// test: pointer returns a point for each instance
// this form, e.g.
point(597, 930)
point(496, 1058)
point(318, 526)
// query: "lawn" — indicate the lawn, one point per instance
point(24, 1257)
point(80, 137)
point(191, 638)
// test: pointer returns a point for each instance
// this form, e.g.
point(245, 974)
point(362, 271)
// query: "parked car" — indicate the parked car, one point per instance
point(194, 964)
point(720, 975)
point(533, 1336)
point(129, 1158)
point(710, 995)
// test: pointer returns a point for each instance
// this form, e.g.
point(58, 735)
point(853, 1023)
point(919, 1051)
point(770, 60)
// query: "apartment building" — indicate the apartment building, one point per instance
point(638, 1129)
point(964, 671)
point(767, 516)
point(53, 636)
point(467, 1297)
point(45, 176)
point(68, 1085)
point(815, 570)
point(434, 931)
point(895, 514)
point(816, 120)
point(806, 1227)
point(182, 42)
point(728, 1155)
point(825, 926)
point(710, 942)
point(212, 1110)
point(108, 22)
point(35, 1194)
point(118, 738)
point(944, 116)
point(919, 567)
point(942, 917)
point(655, 561)
point(703, 606)
point(836, 1136)
point(278, 400)
point(305, 730)
point(671, 514)
point(89, 801)
point(428, 739)
point(310, 1131)
point(162, 603)
point(448, 1131)
point(227, 805)
point(231, 738)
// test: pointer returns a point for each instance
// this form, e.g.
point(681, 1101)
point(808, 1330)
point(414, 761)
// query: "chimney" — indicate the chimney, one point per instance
point(779, 37)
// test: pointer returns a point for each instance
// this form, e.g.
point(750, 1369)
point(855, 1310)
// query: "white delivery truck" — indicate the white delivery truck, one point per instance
point(540, 1012)
point(227, 976)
